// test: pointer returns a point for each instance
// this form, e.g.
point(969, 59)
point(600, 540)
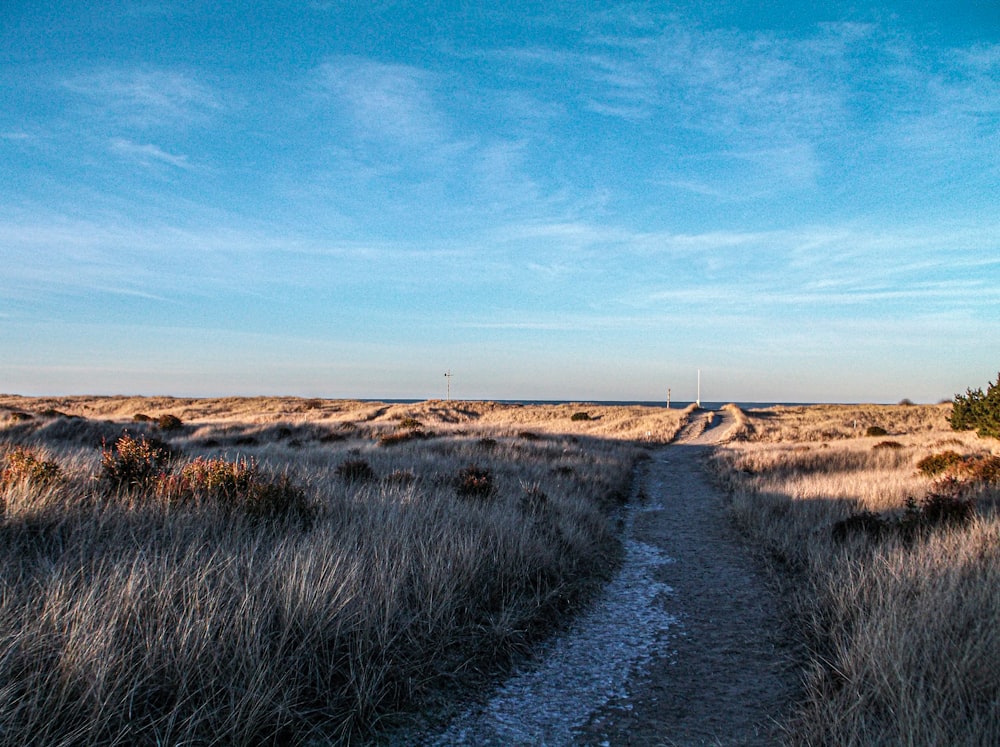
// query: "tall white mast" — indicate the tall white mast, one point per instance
point(698, 401)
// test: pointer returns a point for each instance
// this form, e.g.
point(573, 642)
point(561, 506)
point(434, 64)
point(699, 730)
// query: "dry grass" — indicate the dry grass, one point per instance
point(164, 610)
point(834, 422)
point(647, 424)
point(901, 627)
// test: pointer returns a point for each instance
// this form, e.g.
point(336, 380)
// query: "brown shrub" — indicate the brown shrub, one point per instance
point(24, 465)
point(475, 482)
point(935, 464)
point(133, 463)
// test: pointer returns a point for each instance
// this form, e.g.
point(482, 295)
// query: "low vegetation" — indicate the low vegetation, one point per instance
point(892, 560)
point(977, 411)
point(267, 572)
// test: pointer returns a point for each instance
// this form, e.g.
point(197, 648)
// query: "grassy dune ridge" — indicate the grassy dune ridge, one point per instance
point(169, 612)
point(901, 625)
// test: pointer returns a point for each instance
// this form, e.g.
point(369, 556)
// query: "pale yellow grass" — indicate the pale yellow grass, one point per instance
point(902, 634)
point(834, 422)
point(630, 423)
point(127, 619)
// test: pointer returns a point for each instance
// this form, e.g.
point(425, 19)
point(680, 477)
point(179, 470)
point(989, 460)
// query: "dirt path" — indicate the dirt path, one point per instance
point(731, 673)
point(686, 646)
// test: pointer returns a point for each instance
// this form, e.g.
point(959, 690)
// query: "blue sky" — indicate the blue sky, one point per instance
point(551, 200)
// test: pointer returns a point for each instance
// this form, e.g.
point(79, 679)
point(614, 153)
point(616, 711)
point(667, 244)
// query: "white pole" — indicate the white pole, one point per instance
point(447, 377)
point(698, 401)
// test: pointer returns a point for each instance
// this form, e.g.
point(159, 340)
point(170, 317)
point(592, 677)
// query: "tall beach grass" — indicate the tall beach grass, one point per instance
point(167, 610)
point(899, 610)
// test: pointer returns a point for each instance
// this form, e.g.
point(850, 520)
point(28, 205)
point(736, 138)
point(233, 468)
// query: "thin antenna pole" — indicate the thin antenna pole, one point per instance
point(698, 401)
point(447, 377)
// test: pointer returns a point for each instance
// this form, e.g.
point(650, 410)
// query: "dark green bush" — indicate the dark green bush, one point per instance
point(410, 423)
point(141, 418)
point(876, 430)
point(580, 416)
point(169, 422)
point(977, 411)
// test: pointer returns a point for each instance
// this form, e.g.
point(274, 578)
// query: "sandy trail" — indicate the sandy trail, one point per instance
point(686, 646)
point(731, 673)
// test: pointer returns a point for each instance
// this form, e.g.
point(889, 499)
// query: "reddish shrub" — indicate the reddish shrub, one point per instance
point(24, 465)
point(475, 482)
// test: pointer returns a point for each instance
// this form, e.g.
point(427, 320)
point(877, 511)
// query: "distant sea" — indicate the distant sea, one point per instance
point(675, 405)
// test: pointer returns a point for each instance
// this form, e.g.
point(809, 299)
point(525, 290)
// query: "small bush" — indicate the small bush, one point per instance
point(487, 444)
point(235, 485)
point(888, 445)
point(947, 504)
point(978, 411)
point(876, 430)
point(984, 469)
point(133, 463)
point(936, 464)
point(51, 412)
point(24, 465)
point(19, 417)
point(864, 522)
point(400, 477)
point(475, 482)
point(946, 507)
point(580, 416)
point(169, 422)
point(529, 436)
point(356, 470)
point(141, 418)
point(533, 501)
point(410, 423)
point(277, 498)
point(395, 438)
point(218, 479)
point(399, 437)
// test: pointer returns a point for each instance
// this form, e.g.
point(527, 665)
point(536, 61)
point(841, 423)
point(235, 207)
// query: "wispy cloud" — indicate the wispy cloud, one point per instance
point(384, 101)
point(146, 97)
point(148, 154)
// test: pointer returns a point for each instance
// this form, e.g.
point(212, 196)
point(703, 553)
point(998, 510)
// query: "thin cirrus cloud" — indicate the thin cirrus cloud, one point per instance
point(389, 102)
point(146, 98)
point(147, 154)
